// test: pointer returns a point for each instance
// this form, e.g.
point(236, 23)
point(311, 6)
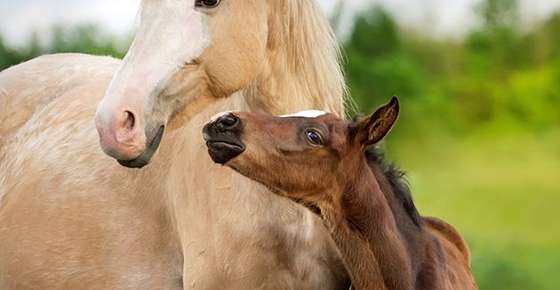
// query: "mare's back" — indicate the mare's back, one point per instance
point(27, 88)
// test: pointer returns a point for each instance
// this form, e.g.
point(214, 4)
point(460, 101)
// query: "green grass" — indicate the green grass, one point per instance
point(501, 189)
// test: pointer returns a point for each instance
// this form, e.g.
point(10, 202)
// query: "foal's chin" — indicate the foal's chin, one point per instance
point(223, 152)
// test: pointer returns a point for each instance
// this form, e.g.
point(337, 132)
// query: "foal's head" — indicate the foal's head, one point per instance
point(305, 155)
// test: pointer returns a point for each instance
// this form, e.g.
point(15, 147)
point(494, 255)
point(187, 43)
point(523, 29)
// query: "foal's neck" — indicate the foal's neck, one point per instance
point(365, 230)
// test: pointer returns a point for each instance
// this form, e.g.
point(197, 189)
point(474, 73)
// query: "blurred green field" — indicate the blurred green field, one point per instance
point(501, 191)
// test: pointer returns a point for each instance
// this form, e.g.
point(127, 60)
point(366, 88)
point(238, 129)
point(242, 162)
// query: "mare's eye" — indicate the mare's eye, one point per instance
point(207, 3)
point(314, 137)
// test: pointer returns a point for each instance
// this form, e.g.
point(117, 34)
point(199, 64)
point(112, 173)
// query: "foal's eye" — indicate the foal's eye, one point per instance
point(314, 137)
point(207, 3)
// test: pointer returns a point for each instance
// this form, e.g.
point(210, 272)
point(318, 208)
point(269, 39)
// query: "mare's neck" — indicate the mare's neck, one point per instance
point(366, 232)
point(184, 162)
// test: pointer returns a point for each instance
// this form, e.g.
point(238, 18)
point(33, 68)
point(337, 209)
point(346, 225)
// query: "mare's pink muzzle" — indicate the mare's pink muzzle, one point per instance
point(120, 134)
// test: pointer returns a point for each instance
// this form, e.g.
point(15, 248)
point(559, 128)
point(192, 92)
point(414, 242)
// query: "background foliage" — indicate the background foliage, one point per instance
point(479, 134)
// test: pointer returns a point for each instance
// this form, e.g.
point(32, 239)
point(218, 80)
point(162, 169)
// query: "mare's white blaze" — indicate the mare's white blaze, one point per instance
point(306, 114)
point(171, 34)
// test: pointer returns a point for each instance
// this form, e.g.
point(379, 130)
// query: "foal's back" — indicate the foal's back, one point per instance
point(454, 253)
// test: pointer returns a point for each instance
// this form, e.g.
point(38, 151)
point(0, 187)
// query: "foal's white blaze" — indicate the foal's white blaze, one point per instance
point(172, 33)
point(306, 114)
point(302, 114)
point(217, 116)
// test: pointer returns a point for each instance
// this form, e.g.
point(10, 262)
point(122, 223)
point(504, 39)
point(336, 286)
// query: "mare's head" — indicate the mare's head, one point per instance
point(188, 53)
point(305, 155)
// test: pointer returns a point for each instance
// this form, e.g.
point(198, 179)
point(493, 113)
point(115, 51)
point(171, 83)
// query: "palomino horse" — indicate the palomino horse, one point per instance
point(319, 160)
point(73, 218)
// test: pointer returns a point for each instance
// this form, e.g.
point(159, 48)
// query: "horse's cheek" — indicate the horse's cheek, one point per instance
point(237, 50)
point(232, 67)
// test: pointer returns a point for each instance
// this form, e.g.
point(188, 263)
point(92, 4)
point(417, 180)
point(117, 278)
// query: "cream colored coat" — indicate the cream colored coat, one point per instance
point(73, 218)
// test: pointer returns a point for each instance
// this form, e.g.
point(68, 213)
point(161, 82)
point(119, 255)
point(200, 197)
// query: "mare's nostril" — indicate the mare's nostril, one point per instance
point(129, 120)
point(228, 122)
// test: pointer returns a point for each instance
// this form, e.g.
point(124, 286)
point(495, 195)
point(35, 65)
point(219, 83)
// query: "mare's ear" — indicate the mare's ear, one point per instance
point(371, 130)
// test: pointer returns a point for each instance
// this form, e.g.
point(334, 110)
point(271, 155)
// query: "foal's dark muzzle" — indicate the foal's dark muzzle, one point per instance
point(223, 138)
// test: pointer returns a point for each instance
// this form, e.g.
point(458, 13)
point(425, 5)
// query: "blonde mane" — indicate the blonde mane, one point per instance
point(304, 69)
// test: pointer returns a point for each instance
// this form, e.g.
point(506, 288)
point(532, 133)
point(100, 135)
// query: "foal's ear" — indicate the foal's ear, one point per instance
point(374, 128)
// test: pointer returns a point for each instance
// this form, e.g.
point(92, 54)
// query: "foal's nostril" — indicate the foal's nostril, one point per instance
point(228, 122)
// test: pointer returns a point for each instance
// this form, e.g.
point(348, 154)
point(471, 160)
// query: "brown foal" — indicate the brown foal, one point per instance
point(327, 164)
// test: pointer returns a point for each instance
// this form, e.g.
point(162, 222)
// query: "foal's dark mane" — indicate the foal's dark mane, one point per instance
point(397, 180)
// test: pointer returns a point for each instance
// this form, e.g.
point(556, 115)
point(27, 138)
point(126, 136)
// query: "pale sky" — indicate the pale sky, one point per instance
point(18, 18)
